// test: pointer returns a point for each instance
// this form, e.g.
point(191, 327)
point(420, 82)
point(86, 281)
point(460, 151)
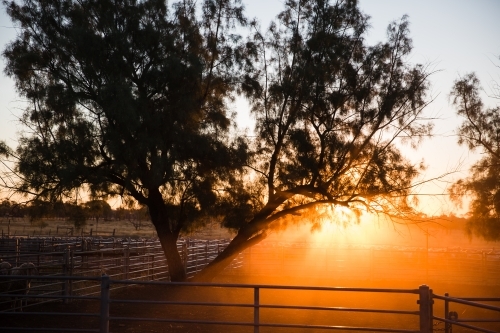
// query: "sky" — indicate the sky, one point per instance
point(454, 37)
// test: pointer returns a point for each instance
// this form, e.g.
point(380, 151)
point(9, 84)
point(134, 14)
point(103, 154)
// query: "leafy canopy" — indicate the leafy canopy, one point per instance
point(331, 113)
point(126, 98)
point(480, 131)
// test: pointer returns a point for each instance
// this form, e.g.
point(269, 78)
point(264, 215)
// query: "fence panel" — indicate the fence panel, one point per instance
point(266, 307)
point(133, 259)
point(479, 314)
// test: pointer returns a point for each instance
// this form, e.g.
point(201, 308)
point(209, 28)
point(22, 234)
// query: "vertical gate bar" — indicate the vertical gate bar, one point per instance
point(446, 314)
point(104, 318)
point(18, 251)
point(127, 261)
point(425, 311)
point(65, 286)
point(256, 308)
point(152, 259)
point(185, 256)
point(431, 311)
point(71, 271)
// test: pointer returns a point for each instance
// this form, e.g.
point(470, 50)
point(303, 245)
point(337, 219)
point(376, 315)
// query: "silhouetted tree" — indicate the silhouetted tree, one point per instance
point(97, 209)
point(128, 98)
point(38, 209)
point(480, 131)
point(5, 208)
point(330, 113)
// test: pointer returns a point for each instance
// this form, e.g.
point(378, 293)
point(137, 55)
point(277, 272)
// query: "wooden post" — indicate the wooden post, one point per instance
point(425, 302)
point(104, 318)
point(256, 308)
point(447, 326)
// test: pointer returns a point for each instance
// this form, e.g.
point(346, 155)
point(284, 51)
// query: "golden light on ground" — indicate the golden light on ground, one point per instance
point(342, 249)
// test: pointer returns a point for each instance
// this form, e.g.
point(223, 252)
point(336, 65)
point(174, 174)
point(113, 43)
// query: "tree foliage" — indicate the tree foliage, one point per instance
point(331, 112)
point(480, 131)
point(97, 209)
point(128, 98)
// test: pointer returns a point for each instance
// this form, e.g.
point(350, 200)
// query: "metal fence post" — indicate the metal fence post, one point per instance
point(185, 256)
point(71, 270)
point(65, 287)
point(425, 302)
point(447, 326)
point(206, 253)
point(18, 251)
point(104, 319)
point(127, 261)
point(148, 262)
point(195, 259)
point(152, 260)
point(256, 308)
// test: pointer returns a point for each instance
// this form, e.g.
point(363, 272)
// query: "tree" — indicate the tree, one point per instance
point(479, 131)
point(97, 209)
point(38, 209)
point(331, 112)
point(128, 97)
point(6, 208)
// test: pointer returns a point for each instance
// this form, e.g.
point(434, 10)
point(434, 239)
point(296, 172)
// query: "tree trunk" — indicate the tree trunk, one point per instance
point(249, 235)
point(167, 236)
point(241, 242)
point(176, 268)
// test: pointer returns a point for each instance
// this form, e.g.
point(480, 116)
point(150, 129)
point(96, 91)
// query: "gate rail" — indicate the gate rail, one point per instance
point(452, 318)
point(424, 310)
point(106, 284)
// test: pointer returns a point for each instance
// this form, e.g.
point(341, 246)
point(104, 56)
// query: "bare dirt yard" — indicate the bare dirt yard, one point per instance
point(64, 314)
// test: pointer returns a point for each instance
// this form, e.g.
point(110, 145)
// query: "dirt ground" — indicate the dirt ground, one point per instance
point(62, 317)
point(83, 315)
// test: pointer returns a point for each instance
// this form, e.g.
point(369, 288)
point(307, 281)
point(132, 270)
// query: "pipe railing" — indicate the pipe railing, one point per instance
point(105, 316)
point(141, 262)
point(451, 318)
point(424, 312)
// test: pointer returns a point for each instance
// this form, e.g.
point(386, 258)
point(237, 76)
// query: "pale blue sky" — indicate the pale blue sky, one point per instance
point(454, 36)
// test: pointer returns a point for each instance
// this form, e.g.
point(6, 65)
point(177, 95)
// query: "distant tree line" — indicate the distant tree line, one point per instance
point(79, 214)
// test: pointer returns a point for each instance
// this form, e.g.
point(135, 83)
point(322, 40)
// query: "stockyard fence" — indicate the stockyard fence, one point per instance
point(68, 260)
point(143, 259)
point(423, 309)
point(91, 256)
